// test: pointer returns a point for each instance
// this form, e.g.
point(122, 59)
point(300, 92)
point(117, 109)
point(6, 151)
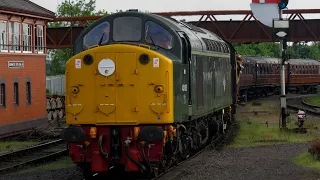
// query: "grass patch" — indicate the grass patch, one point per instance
point(254, 130)
point(61, 163)
point(306, 160)
point(313, 100)
point(13, 145)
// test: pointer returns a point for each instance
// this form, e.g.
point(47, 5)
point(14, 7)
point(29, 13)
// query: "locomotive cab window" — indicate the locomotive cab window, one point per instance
point(159, 35)
point(127, 29)
point(101, 32)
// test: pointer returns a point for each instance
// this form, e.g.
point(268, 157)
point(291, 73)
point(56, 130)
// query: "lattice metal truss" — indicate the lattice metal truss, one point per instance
point(244, 31)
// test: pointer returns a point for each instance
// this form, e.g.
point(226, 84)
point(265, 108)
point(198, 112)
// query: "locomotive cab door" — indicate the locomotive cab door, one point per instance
point(186, 67)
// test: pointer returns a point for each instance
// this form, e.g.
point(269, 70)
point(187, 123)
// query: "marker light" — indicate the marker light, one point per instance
point(136, 131)
point(93, 132)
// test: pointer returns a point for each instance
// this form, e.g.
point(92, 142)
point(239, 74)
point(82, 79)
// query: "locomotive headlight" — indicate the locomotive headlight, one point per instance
point(159, 89)
point(144, 59)
point(136, 131)
point(75, 90)
point(88, 59)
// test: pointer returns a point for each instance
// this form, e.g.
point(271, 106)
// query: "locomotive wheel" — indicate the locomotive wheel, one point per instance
point(185, 145)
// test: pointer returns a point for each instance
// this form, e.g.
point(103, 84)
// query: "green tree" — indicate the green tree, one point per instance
point(298, 50)
point(261, 49)
point(69, 9)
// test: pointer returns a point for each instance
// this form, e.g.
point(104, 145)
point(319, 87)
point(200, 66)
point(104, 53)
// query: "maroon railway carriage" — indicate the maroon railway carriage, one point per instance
point(261, 76)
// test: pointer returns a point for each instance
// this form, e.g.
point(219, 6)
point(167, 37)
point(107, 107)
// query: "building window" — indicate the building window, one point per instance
point(39, 39)
point(27, 37)
point(2, 95)
point(3, 36)
point(28, 92)
point(15, 36)
point(16, 93)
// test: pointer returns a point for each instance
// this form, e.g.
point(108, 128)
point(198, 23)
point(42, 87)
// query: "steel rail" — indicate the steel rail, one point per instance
point(33, 154)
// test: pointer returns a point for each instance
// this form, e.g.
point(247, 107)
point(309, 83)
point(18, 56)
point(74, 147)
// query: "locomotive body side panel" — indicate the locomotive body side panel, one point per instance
point(180, 89)
point(212, 82)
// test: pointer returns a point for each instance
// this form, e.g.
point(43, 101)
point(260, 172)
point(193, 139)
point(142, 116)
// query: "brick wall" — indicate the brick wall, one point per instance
point(34, 70)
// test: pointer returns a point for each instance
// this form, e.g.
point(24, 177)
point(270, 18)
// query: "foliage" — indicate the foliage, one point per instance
point(14, 145)
point(313, 100)
point(60, 163)
point(69, 9)
point(306, 160)
point(297, 50)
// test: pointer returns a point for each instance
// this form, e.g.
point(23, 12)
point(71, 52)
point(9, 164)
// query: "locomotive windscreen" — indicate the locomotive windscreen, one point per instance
point(127, 29)
point(101, 32)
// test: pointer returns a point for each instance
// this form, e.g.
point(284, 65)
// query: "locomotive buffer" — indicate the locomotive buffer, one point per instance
point(269, 13)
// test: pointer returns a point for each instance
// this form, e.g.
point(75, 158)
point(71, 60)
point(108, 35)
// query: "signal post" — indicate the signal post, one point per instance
point(269, 13)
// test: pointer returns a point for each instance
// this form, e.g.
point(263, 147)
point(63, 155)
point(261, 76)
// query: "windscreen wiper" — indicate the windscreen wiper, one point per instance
point(100, 41)
point(149, 35)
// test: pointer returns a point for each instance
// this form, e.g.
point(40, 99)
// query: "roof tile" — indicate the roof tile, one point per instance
point(25, 6)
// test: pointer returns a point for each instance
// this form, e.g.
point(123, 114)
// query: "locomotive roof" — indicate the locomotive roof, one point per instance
point(197, 35)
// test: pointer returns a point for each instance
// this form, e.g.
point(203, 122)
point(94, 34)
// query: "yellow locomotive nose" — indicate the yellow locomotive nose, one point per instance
point(119, 89)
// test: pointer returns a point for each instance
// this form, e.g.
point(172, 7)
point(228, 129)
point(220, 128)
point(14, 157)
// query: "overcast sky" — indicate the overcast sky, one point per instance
point(178, 5)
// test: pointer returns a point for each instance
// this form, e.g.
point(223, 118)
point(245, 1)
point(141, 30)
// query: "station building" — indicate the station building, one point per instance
point(22, 65)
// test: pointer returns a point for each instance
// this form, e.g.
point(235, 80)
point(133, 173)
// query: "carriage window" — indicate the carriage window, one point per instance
point(101, 32)
point(159, 35)
point(127, 29)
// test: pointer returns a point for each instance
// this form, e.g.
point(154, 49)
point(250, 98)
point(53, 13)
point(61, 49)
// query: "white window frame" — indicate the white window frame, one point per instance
point(15, 37)
point(26, 45)
point(39, 36)
point(5, 32)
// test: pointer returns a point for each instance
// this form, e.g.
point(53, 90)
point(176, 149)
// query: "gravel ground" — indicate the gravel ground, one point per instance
point(61, 174)
point(264, 162)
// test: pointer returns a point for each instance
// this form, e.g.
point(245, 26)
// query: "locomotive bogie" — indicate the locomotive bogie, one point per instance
point(144, 148)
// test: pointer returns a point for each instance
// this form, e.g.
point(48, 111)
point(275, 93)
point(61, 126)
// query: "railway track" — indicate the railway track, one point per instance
point(34, 154)
point(297, 103)
point(215, 144)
